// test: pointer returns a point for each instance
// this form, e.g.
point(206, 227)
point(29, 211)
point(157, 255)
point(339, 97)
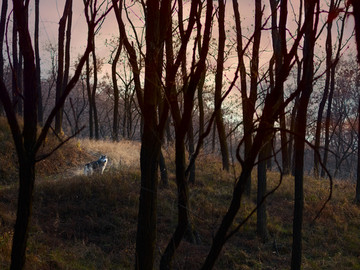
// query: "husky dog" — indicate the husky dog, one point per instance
point(98, 165)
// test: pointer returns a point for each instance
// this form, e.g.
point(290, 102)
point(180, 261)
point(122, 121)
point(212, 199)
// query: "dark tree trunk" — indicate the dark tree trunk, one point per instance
point(115, 127)
point(183, 205)
point(182, 122)
point(150, 145)
point(25, 199)
point(261, 224)
point(356, 6)
point(300, 130)
point(37, 59)
point(15, 75)
point(248, 102)
point(328, 120)
point(93, 94)
point(357, 194)
point(163, 171)
point(329, 66)
point(254, 74)
point(26, 141)
point(218, 87)
point(271, 111)
point(279, 46)
point(201, 104)
point(88, 90)
point(4, 8)
point(191, 143)
point(61, 71)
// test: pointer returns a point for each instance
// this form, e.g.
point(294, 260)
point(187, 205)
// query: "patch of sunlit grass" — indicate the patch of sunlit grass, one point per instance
point(121, 154)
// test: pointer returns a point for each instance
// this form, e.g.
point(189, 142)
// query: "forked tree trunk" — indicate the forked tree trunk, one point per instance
point(218, 87)
point(150, 145)
point(279, 46)
point(325, 95)
point(61, 70)
point(300, 130)
point(26, 141)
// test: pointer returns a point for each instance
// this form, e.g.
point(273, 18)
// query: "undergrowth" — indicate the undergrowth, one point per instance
point(83, 222)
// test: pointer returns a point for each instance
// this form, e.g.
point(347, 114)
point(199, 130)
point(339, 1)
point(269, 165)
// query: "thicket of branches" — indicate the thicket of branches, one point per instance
point(182, 74)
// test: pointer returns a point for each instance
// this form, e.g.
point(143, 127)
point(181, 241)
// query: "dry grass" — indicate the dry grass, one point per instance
point(90, 222)
point(123, 154)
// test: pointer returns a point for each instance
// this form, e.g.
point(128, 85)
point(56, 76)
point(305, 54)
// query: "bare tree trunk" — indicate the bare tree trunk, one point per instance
point(254, 74)
point(201, 82)
point(37, 59)
point(218, 87)
point(356, 6)
point(26, 141)
point(4, 8)
point(356, 13)
point(88, 89)
point(61, 71)
point(15, 75)
point(300, 130)
point(93, 94)
point(357, 194)
point(248, 102)
point(163, 171)
point(279, 46)
point(331, 63)
point(328, 120)
point(191, 143)
point(182, 122)
point(201, 104)
point(115, 127)
point(150, 145)
point(271, 111)
point(261, 224)
point(325, 95)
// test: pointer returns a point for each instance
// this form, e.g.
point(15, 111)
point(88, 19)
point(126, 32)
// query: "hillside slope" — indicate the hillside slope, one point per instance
point(90, 222)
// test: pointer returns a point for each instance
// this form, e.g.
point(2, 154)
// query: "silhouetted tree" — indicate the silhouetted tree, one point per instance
point(218, 86)
point(63, 59)
point(4, 7)
point(300, 128)
point(26, 139)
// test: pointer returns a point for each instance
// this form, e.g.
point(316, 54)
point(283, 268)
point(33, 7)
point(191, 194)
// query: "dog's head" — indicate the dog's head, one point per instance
point(103, 158)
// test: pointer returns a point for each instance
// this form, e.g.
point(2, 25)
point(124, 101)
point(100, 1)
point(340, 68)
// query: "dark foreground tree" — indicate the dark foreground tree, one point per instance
point(63, 60)
point(272, 108)
point(300, 129)
point(218, 87)
point(4, 7)
point(356, 7)
point(27, 141)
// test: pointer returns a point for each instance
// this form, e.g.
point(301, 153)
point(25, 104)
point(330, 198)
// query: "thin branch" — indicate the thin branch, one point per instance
point(44, 156)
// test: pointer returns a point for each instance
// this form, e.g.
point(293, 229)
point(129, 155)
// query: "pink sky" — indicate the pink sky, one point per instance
point(51, 11)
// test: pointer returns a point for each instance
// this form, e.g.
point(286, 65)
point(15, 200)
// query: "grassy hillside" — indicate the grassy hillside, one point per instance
point(90, 222)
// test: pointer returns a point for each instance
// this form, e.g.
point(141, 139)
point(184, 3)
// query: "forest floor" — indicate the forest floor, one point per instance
point(81, 222)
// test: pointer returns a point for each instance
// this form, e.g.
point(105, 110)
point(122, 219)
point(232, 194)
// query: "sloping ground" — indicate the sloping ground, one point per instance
point(90, 222)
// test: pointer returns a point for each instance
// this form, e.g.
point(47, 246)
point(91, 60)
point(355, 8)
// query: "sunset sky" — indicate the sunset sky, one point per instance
point(51, 11)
